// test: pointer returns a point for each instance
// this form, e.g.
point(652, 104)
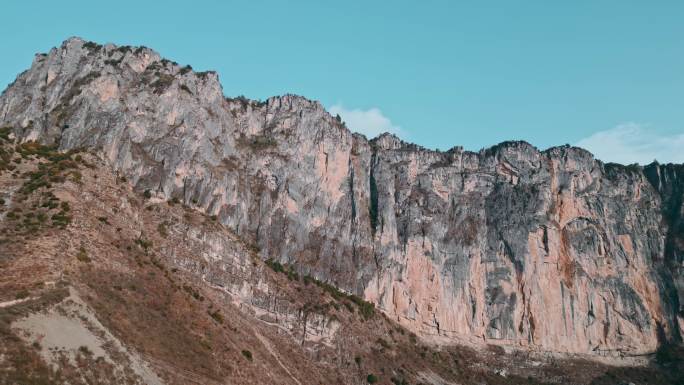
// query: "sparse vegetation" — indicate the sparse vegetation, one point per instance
point(53, 167)
point(257, 142)
point(144, 243)
point(216, 315)
point(245, 102)
point(163, 231)
point(21, 294)
point(185, 88)
point(193, 292)
point(85, 350)
point(113, 62)
point(162, 82)
point(247, 354)
point(383, 343)
point(5, 133)
point(203, 74)
point(275, 265)
point(92, 46)
point(82, 255)
point(366, 309)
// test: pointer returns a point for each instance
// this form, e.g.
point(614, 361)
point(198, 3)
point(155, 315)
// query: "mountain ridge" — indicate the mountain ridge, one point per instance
point(244, 99)
point(455, 245)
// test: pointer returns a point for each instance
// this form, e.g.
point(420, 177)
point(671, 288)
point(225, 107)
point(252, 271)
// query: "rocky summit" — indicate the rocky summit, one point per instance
point(198, 225)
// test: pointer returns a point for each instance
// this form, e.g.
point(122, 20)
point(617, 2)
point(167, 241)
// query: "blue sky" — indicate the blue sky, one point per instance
point(608, 75)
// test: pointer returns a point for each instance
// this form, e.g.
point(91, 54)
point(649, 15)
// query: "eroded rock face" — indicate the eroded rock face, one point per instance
point(550, 250)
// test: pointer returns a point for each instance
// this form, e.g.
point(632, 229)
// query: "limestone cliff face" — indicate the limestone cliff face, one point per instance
point(549, 250)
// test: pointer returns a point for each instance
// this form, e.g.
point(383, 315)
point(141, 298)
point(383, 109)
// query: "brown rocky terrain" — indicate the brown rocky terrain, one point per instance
point(154, 231)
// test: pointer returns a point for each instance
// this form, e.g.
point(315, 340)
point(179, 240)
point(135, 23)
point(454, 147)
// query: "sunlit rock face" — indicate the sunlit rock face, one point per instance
point(546, 250)
point(550, 250)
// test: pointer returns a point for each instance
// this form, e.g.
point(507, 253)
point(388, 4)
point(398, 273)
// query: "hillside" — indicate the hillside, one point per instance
point(173, 235)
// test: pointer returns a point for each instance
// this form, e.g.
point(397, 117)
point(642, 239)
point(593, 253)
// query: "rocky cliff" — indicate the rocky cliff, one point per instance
point(547, 250)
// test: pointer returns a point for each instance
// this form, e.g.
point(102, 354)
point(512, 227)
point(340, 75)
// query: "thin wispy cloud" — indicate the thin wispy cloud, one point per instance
point(635, 143)
point(371, 122)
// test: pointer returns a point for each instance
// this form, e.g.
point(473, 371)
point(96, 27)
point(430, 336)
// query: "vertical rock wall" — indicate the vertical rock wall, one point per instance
point(549, 250)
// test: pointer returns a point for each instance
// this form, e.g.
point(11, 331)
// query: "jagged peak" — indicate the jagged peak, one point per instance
point(79, 54)
point(569, 149)
point(285, 101)
point(509, 144)
point(389, 141)
point(554, 152)
point(75, 47)
point(293, 100)
point(388, 136)
point(73, 40)
point(77, 42)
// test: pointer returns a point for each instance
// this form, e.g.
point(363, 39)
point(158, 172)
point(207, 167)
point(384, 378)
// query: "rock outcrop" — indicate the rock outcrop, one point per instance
point(547, 250)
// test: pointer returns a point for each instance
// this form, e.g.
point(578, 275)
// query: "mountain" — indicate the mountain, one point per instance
point(185, 237)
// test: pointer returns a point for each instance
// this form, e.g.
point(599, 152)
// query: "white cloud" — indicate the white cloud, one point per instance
point(634, 143)
point(370, 122)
